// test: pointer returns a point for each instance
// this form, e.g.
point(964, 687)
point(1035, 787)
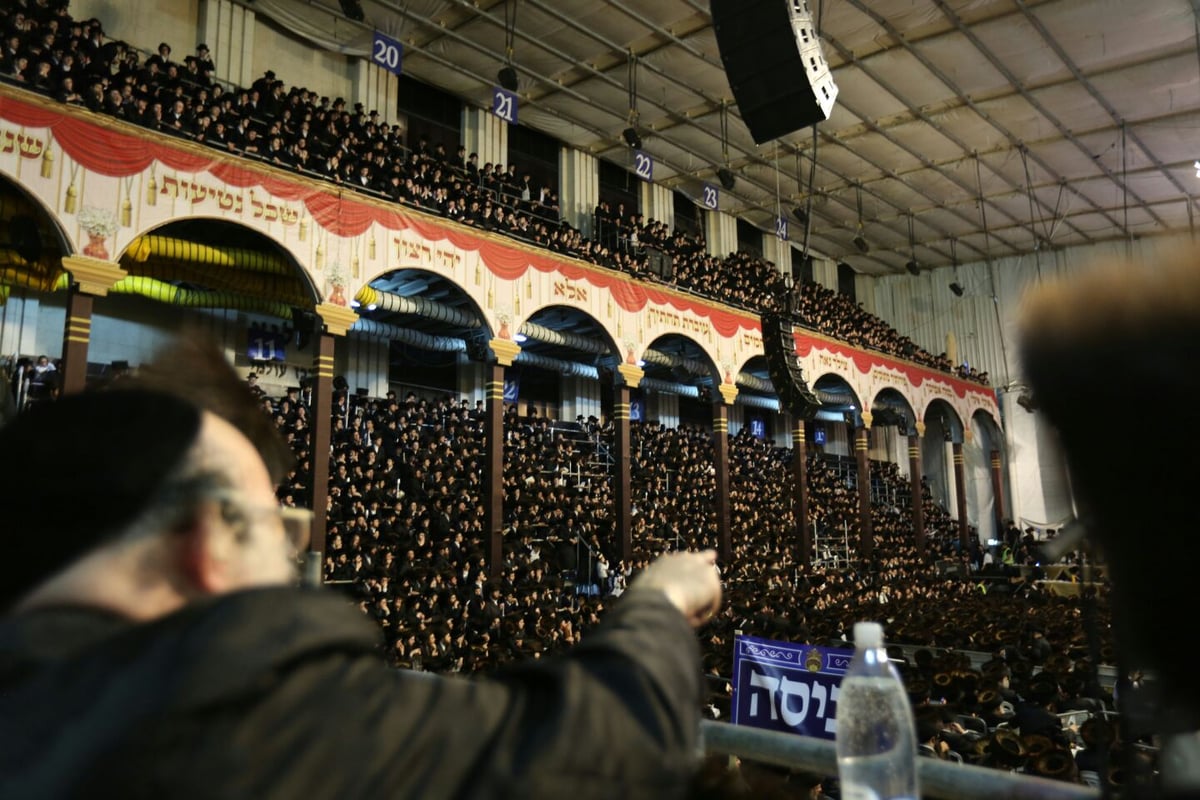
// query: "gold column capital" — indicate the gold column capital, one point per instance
point(632, 374)
point(338, 319)
point(93, 275)
point(920, 426)
point(867, 418)
point(506, 351)
point(729, 393)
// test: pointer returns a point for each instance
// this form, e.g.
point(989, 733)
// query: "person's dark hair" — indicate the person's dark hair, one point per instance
point(194, 369)
point(81, 469)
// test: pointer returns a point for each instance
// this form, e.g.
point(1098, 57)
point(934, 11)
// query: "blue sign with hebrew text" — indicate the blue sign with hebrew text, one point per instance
point(787, 687)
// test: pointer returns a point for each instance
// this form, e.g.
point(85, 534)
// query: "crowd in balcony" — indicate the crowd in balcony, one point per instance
point(294, 128)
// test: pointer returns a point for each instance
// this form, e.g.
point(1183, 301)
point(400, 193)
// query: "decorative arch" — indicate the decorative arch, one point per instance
point(34, 240)
point(891, 400)
point(218, 258)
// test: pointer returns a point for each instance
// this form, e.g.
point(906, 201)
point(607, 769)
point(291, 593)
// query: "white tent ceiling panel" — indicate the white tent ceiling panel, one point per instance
point(959, 61)
point(1102, 33)
point(1139, 57)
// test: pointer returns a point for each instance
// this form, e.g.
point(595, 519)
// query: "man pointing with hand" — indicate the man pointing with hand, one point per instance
point(153, 642)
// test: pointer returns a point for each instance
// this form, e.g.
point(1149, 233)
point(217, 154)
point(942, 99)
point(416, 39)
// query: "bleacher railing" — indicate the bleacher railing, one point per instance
point(942, 779)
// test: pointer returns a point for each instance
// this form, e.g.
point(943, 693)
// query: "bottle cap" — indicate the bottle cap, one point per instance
point(868, 635)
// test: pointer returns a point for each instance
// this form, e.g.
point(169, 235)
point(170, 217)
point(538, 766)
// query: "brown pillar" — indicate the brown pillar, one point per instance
point(77, 335)
point(630, 376)
point(960, 490)
point(720, 440)
point(493, 472)
point(866, 539)
point(803, 526)
point(918, 504)
point(90, 278)
point(998, 492)
point(505, 350)
point(335, 321)
point(322, 432)
point(622, 483)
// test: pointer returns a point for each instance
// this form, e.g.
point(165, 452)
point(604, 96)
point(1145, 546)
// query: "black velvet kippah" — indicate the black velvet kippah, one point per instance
point(78, 470)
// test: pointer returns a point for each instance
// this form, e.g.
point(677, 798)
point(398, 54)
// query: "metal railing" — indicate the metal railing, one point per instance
point(941, 779)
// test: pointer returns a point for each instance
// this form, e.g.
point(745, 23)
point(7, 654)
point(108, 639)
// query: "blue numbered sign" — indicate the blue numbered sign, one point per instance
point(781, 228)
point(504, 105)
point(643, 165)
point(387, 53)
point(710, 196)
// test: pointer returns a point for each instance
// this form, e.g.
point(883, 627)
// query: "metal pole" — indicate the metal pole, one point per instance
point(941, 779)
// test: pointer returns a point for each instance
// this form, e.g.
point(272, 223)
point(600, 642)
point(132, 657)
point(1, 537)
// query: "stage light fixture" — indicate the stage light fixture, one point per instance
point(727, 179)
point(632, 138)
point(507, 78)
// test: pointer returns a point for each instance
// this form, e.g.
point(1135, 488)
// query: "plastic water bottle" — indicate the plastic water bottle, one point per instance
point(876, 736)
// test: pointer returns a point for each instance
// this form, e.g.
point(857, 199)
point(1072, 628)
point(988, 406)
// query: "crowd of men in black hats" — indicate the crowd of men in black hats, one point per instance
point(294, 128)
point(407, 541)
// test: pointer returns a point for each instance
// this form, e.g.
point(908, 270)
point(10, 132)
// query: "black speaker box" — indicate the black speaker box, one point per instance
point(783, 365)
point(774, 63)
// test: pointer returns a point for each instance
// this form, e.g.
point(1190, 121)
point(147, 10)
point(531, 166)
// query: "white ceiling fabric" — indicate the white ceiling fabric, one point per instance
point(1088, 106)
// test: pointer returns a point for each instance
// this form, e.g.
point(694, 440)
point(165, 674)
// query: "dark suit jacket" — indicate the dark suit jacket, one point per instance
point(281, 693)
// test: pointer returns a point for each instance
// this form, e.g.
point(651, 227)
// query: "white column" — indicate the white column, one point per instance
point(666, 407)
point(778, 252)
point(364, 363)
point(228, 30)
point(737, 418)
point(825, 273)
point(658, 203)
point(721, 233)
point(470, 379)
point(486, 134)
point(580, 190)
point(376, 88)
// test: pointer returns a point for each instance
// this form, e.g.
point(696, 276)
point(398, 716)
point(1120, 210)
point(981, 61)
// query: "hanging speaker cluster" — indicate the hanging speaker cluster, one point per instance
point(775, 66)
point(783, 366)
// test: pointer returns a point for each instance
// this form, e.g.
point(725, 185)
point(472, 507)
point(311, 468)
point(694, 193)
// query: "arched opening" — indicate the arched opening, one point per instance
point(892, 420)
point(681, 382)
point(567, 364)
point(942, 429)
point(757, 406)
point(985, 495)
point(423, 332)
point(840, 415)
point(32, 246)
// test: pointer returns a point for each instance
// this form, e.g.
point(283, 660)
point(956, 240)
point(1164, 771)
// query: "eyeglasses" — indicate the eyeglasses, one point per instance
point(296, 522)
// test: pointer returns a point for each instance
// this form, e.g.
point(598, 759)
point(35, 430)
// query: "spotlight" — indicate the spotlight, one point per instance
point(507, 78)
point(913, 267)
point(726, 178)
point(957, 288)
point(631, 138)
point(1026, 401)
point(800, 214)
point(353, 9)
point(861, 244)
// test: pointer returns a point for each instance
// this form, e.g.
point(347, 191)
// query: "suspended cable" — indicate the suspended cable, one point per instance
point(1033, 219)
point(987, 256)
point(510, 29)
point(812, 177)
point(1125, 193)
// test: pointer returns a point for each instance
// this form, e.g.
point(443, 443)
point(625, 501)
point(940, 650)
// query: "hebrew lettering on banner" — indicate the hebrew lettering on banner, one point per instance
point(787, 687)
